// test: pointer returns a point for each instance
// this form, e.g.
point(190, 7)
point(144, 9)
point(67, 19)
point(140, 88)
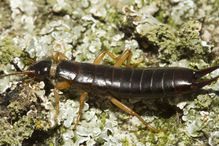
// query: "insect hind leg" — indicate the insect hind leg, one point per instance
point(131, 112)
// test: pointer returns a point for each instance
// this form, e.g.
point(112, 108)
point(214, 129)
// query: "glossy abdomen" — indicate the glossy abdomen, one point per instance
point(126, 82)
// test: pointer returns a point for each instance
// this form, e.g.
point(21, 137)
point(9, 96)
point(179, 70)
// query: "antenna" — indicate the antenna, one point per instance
point(17, 73)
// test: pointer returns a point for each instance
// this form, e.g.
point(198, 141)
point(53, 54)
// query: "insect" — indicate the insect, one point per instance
point(115, 82)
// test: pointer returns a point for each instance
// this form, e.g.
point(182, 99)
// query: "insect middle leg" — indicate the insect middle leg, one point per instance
point(82, 101)
point(125, 56)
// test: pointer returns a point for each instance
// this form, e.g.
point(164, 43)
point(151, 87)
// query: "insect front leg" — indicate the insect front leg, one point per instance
point(59, 86)
point(58, 56)
point(67, 85)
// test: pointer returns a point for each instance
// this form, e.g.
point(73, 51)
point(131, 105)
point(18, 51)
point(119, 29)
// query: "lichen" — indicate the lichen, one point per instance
point(173, 45)
point(5, 19)
point(159, 33)
point(8, 50)
point(16, 134)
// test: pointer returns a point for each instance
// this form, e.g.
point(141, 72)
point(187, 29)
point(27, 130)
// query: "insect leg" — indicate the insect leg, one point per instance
point(100, 57)
point(57, 98)
point(82, 101)
point(59, 86)
point(131, 112)
point(58, 56)
point(126, 55)
point(63, 85)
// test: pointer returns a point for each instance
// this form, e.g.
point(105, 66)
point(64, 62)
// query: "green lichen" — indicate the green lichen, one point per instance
point(16, 133)
point(125, 142)
point(215, 102)
point(82, 29)
point(103, 117)
point(100, 141)
point(21, 102)
point(174, 45)
point(8, 50)
point(203, 101)
point(5, 19)
point(190, 41)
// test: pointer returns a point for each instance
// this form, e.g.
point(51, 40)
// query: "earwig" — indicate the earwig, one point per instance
point(112, 81)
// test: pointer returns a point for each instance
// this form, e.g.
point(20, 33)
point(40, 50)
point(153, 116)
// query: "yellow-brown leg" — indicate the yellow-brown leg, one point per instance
point(125, 56)
point(66, 85)
point(100, 57)
point(59, 86)
point(82, 101)
point(57, 98)
point(58, 56)
point(131, 112)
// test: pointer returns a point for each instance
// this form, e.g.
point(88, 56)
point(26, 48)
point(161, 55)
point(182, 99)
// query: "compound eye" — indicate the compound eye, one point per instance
point(41, 68)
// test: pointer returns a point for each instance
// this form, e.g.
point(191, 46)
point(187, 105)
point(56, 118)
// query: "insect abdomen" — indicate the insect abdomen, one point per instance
point(128, 82)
